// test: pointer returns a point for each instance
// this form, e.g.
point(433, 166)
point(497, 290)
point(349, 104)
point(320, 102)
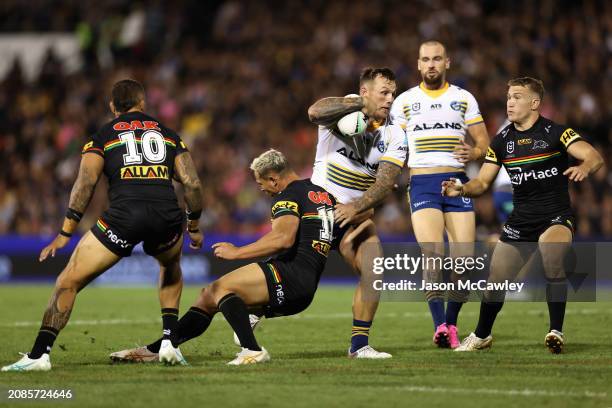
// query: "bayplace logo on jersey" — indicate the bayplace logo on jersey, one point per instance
point(518, 176)
point(510, 147)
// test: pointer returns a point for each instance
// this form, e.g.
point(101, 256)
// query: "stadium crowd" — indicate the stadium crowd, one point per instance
point(235, 78)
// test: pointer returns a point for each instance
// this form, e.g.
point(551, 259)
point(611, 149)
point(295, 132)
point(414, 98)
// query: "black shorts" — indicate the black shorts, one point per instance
point(159, 224)
point(523, 229)
point(291, 286)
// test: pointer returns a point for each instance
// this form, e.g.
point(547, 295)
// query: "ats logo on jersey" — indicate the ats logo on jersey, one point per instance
point(321, 247)
point(145, 172)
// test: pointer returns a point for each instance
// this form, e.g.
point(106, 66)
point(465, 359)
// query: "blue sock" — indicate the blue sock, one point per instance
point(452, 312)
point(436, 307)
point(361, 331)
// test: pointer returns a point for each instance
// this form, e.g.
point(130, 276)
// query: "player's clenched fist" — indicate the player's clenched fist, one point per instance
point(225, 250)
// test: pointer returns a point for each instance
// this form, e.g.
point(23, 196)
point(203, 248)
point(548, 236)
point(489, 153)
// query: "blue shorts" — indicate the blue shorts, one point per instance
point(424, 192)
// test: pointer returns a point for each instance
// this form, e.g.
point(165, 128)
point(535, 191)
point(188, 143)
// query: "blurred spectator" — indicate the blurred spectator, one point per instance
point(236, 78)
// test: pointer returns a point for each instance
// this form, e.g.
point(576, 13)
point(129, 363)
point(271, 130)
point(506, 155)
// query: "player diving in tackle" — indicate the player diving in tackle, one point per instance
point(535, 151)
point(301, 237)
point(140, 157)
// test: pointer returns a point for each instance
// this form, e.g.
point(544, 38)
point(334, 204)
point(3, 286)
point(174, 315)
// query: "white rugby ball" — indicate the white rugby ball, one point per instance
point(352, 124)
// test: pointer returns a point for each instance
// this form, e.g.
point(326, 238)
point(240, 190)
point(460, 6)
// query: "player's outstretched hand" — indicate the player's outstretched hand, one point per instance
point(464, 153)
point(576, 173)
point(196, 239)
point(58, 243)
point(225, 250)
point(451, 188)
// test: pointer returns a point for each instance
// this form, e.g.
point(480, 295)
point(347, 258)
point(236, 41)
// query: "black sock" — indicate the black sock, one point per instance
point(452, 312)
point(44, 341)
point(170, 322)
point(237, 315)
point(191, 325)
point(556, 296)
point(488, 313)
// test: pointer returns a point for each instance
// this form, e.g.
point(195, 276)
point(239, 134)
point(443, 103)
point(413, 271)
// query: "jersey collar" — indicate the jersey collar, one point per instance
point(435, 92)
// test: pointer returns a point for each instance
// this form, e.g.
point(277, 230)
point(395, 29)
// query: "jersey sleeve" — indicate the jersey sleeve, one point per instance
point(472, 112)
point(95, 144)
point(396, 148)
point(398, 115)
point(494, 151)
point(176, 140)
point(285, 204)
point(568, 136)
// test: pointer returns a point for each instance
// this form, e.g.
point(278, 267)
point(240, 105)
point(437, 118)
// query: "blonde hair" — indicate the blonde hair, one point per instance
point(272, 160)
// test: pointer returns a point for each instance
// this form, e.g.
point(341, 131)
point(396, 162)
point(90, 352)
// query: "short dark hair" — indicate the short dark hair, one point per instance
point(369, 74)
point(126, 94)
point(534, 84)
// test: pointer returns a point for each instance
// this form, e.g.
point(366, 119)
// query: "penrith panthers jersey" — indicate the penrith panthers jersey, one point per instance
point(535, 160)
point(139, 155)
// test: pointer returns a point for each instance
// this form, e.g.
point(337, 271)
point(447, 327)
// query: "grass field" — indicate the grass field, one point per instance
point(308, 366)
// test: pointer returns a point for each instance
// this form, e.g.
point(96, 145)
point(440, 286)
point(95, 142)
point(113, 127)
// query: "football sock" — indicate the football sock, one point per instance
point(44, 341)
point(556, 296)
point(191, 325)
point(488, 313)
point(360, 334)
point(436, 307)
point(170, 322)
point(237, 315)
point(452, 312)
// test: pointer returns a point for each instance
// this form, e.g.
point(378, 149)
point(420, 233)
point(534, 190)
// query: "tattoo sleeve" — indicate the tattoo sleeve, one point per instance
point(328, 111)
point(187, 175)
point(86, 181)
point(385, 178)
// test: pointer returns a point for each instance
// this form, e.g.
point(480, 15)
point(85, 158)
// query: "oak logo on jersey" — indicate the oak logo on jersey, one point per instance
point(525, 141)
point(136, 124)
point(569, 136)
point(321, 247)
point(285, 206)
point(145, 172)
point(319, 197)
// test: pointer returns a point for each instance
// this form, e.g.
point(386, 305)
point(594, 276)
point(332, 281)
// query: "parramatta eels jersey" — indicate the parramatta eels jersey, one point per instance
point(435, 123)
point(138, 154)
point(347, 166)
point(535, 160)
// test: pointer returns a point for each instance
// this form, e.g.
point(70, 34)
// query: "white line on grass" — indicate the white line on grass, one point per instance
point(492, 391)
point(315, 316)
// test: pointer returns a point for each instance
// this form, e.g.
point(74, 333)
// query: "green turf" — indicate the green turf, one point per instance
point(309, 367)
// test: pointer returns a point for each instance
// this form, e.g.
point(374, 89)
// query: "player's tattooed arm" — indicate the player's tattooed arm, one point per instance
point(327, 111)
point(83, 189)
point(385, 180)
point(187, 175)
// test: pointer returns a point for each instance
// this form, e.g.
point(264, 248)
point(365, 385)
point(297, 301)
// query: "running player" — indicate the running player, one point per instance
point(436, 117)
point(360, 172)
point(140, 157)
point(301, 238)
point(535, 151)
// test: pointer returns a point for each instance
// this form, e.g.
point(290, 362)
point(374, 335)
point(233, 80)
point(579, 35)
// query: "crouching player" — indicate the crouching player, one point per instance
point(301, 237)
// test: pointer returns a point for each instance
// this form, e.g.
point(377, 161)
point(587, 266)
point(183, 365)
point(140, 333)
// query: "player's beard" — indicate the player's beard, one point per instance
point(433, 82)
